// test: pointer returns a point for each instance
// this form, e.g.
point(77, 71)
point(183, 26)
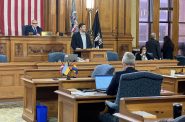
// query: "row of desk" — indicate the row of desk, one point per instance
point(11, 85)
point(70, 108)
point(41, 83)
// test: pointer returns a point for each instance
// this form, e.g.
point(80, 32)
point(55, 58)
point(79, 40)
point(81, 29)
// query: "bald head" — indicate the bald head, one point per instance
point(153, 35)
point(128, 58)
point(34, 23)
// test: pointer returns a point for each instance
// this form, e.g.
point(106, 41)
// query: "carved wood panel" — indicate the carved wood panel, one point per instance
point(18, 49)
point(3, 48)
point(106, 13)
point(39, 49)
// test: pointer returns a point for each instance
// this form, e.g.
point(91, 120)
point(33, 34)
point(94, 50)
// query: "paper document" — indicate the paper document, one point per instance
point(145, 114)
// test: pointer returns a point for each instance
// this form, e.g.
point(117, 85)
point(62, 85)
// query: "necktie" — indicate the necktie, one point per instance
point(35, 29)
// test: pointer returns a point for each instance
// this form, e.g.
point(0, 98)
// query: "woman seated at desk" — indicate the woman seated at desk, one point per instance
point(143, 55)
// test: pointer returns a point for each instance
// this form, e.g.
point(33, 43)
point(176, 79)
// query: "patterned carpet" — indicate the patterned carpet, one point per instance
point(12, 112)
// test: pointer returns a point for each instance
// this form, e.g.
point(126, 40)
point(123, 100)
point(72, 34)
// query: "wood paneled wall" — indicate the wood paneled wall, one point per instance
point(115, 19)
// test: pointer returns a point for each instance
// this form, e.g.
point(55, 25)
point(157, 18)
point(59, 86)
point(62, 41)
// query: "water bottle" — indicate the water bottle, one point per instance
point(177, 110)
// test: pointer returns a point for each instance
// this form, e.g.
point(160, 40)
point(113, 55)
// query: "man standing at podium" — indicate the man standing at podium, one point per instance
point(81, 39)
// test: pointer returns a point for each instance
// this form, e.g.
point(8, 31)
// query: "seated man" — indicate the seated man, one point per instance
point(33, 29)
point(128, 62)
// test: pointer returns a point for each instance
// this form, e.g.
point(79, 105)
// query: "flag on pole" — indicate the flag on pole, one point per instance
point(61, 68)
point(65, 69)
point(74, 22)
point(16, 13)
point(98, 42)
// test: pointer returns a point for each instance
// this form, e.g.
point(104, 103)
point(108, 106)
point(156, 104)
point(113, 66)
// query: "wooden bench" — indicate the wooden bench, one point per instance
point(160, 106)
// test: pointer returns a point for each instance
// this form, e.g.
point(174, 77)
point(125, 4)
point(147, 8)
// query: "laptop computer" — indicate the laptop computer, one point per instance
point(71, 58)
point(102, 82)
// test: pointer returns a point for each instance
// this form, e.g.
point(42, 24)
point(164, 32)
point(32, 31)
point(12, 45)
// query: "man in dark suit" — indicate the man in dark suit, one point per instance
point(81, 39)
point(128, 62)
point(33, 29)
point(153, 47)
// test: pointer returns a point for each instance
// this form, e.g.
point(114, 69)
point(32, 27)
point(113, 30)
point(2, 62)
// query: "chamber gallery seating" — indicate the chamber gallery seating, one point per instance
point(137, 84)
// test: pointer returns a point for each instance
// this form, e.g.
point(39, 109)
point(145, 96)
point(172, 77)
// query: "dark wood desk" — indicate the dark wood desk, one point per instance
point(160, 106)
point(175, 83)
point(42, 91)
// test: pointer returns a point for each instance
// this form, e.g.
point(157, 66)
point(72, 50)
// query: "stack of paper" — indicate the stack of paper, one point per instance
point(145, 115)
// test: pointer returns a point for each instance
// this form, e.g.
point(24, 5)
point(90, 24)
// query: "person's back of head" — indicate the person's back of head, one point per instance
point(167, 39)
point(153, 36)
point(128, 59)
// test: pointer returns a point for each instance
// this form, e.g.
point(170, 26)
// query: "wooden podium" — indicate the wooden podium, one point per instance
point(94, 54)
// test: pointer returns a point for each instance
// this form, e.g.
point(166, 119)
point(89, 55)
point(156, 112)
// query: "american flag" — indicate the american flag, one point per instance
point(74, 22)
point(16, 13)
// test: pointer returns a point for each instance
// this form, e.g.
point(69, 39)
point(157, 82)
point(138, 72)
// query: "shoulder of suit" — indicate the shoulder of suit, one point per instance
point(38, 27)
point(28, 26)
point(119, 72)
point(76, 33)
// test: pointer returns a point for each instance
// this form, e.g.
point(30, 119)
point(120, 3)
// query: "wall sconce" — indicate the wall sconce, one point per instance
point(90, 7)
point(90, 4)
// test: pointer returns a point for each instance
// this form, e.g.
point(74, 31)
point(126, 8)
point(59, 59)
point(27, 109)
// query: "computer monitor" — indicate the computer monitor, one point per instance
point(71, 58)
point(102, 81)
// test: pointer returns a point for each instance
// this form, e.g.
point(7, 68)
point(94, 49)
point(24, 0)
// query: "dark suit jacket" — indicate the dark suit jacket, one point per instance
point(29, 29)
point(113, 87)
point(138, 56)
point(76, 41)
point(153, 47)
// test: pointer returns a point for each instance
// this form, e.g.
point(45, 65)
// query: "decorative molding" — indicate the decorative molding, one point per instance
point(39, 49)
point(3, 48)
point(18, 49)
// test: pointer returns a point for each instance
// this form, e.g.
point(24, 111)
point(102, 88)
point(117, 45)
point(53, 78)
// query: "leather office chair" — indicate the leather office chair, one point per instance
point(180, 119)
point(181, 60)
point(3, 58)
point(56, 56)
point(112, 56)
point(103, 69)
point(24, 30)
point(138, 84)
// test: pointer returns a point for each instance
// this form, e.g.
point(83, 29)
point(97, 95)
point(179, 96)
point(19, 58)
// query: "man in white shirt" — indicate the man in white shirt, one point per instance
point(81, 39)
